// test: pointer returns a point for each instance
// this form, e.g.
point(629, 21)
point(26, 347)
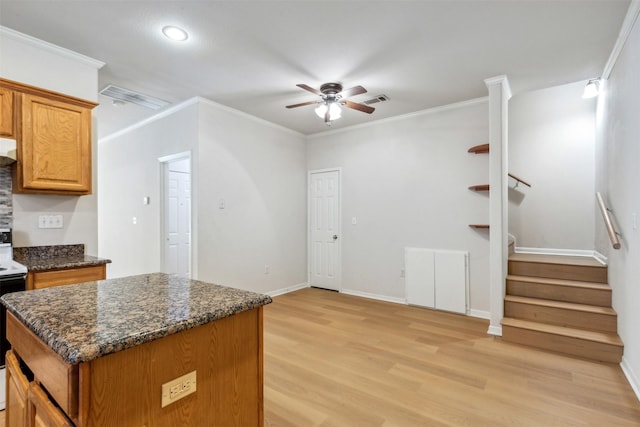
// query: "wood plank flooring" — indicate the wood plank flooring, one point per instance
point(333, 360)
point(337, 360)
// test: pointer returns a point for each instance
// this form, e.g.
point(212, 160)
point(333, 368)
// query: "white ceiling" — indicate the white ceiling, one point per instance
point(249, 55)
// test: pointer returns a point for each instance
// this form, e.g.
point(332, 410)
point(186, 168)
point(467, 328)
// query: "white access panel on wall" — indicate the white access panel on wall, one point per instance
point(419, 276)
point(437, 279)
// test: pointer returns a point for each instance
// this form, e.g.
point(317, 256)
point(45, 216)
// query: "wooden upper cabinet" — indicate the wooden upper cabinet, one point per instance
point(54, 147)
point(7, 118)
point(53, 139)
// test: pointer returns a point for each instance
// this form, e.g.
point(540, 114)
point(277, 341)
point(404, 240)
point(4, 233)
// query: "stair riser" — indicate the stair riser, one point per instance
point(558, 271)
point(573, 294)
point(568, 345)
point(561, 317)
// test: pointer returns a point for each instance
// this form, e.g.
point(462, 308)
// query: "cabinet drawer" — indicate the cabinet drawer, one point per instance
point(42, 412)
point(68, 276)
point(58, 377)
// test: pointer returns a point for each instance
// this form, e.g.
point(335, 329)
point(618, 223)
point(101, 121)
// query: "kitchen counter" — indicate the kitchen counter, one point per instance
point(153, 349)
point(42, 258)
point(89, 320)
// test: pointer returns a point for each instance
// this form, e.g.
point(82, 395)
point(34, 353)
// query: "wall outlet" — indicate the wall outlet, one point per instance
point(50, 221)
point(175, 390)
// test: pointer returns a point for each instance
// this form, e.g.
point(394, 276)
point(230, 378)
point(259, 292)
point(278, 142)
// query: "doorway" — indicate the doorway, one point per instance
point(324, 219)
point(177, 215)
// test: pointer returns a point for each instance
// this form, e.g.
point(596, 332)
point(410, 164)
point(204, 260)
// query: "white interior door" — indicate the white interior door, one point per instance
point(324, 234)
point(177, 252)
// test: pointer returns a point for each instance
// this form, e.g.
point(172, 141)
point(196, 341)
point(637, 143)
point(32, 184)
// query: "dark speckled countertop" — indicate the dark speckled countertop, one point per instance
point(40, 258)
point(86, 321)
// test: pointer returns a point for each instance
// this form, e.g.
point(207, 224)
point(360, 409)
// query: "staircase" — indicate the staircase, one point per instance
point(563, 304)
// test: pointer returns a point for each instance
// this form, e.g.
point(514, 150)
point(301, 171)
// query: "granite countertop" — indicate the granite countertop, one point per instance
point(40, 258)
point(86, 321)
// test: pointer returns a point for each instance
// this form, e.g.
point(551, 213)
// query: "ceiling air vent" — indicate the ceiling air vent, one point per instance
point(379, 98)
point(125, 95)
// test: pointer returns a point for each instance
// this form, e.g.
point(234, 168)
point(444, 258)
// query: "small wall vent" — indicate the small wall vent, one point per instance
point(126, 95)
point(379, 98)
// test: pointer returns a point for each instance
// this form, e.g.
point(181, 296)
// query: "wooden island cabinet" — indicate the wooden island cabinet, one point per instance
point(149, 350)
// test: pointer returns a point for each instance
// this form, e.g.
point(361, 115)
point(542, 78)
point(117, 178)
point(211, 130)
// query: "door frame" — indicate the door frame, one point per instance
point(163, 163)
point(309, 243)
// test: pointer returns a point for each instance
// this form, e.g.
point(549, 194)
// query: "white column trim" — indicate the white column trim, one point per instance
point(499, 94)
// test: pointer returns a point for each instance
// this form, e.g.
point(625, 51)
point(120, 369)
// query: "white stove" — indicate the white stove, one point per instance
point(12, 279)
point(8, 267)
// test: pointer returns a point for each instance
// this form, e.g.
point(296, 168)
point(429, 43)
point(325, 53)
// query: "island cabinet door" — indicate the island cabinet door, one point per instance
point(17, 389)
point(42, 412)
point(224, 358)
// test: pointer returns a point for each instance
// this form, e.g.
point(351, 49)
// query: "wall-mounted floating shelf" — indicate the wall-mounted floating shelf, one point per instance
point(478, 149)
point(480, 187)
point(480, 226)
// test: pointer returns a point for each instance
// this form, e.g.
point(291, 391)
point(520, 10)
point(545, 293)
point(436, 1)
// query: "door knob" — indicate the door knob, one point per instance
point(335, 237)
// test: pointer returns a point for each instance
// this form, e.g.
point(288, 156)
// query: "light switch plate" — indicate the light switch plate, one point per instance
point(175, 390)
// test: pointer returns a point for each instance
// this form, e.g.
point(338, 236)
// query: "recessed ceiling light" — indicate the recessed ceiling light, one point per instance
point(175, 33)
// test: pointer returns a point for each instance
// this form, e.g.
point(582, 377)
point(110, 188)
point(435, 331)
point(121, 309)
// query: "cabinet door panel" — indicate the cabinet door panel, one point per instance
point(6, 113)
point(42, 412)
point(17, 388)
point(55, 147)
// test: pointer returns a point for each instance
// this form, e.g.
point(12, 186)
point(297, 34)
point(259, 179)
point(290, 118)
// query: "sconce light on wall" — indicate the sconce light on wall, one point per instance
point(592, 89)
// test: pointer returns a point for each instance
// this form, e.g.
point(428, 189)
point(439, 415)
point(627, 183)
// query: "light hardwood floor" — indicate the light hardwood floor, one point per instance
point(337, 360)
point(333, 360)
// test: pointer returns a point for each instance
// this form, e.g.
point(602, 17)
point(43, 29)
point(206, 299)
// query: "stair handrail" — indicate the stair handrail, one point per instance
point(608, 224)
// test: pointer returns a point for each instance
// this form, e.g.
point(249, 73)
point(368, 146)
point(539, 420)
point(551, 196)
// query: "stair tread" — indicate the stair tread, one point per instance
point(559, 282)
point(557, 259)
point(561, 304)
point(595, 336)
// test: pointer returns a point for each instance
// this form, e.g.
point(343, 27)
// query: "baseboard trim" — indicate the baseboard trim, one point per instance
point(550, 251)
point(495, 330)
point(286, 290)
point(600, 258)
point(374, 296)
point(631, 377)
point(481, 314)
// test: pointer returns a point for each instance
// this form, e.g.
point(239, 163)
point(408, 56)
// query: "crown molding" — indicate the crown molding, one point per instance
point(625, 31)
point(420, 113)
point(50, 47)
point(191, 101)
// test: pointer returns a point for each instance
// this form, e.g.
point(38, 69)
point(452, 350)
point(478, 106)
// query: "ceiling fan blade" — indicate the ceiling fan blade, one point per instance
point(357, 90)
point(302, 104)
point(359, 107)
point(310, 89)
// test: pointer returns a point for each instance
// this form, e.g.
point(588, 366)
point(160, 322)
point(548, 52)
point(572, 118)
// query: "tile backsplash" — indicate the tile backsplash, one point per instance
point(6, 203)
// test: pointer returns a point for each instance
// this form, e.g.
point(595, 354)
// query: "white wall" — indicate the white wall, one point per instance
point(258, 169)
point(552, 147)
point(41, 64)
point(129, 170)
point(406, 181)
point(618, 175)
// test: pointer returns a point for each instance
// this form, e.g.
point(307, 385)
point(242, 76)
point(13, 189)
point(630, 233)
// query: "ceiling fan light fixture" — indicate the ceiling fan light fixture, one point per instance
point(321, 110)
point(175, 33)
point(335, 112)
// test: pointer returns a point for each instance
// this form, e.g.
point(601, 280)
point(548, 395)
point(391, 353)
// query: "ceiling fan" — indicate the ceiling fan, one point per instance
point(332, 98)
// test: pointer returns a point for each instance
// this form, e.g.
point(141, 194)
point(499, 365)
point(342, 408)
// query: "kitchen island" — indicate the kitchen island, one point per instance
point(148, 350)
